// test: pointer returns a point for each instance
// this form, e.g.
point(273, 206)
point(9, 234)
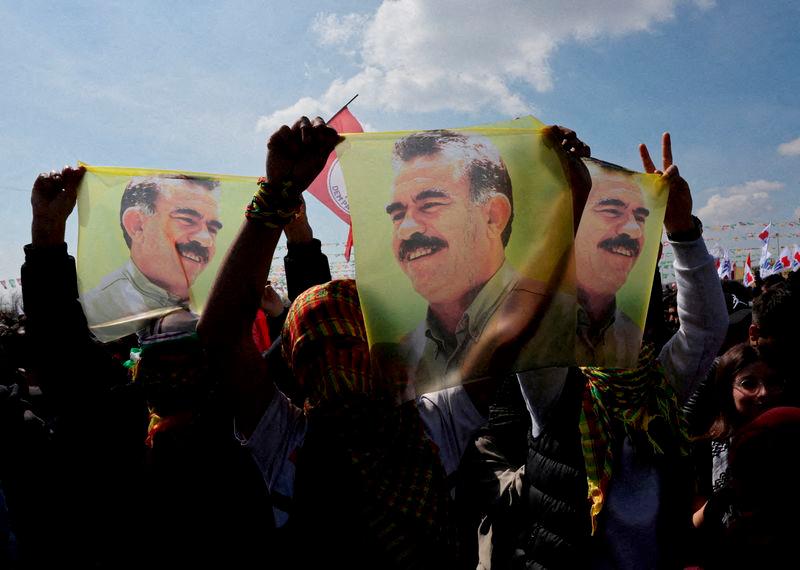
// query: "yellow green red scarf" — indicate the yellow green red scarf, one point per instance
point(626, 402)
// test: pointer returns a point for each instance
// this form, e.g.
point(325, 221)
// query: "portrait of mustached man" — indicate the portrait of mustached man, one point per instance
point(170, 224)
point(608, 242)
point(451, 210)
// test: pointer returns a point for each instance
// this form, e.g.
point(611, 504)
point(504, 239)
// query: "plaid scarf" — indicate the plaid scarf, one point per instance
point(638, 403)
point(318, 327)
point(394, 469)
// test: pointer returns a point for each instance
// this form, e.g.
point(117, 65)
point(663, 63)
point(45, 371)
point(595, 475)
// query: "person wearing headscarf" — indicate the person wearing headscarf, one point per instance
point(354, 479)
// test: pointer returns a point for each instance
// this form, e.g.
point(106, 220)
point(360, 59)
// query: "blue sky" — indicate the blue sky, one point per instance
point(200, 86)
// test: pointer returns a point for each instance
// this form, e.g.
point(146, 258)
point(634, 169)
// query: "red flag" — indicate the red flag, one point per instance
point(329, 187)
point(749, 278)
point(785, 259)
point(764, 235)
point(348, 247)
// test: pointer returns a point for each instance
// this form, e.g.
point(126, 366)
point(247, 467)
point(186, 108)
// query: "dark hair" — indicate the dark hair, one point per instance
point(736, 359)
point(775, 311)
point(142, 192)
point(772, 280)
point(486, 171)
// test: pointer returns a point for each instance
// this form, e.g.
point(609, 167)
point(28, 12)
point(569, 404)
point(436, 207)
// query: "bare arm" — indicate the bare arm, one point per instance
point(296, 156)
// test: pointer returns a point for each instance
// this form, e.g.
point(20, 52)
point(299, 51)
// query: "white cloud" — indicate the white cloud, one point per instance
point(740, 202)
point(336, 30)
point(432, 55)
point(305, 106)
point(791, 148)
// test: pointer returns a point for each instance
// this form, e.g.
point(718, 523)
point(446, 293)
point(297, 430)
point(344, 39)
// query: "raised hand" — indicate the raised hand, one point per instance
point(298, 154)
point(572, 150)
point(678, 217)
point(53, 198)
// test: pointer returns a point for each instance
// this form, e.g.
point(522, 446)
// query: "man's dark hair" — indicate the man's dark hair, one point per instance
point(775, 311)
point(142, 192)
point(486, 171)
point(772, 280)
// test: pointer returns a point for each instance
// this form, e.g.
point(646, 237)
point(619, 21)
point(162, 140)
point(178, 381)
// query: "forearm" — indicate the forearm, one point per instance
point(235, 295)
point(689, 354)
point(47, 231)
point(306, 266)
point(50, 294)
point(225, 326)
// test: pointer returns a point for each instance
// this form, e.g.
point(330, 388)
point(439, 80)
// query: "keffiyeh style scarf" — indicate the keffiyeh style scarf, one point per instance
point(638, 403)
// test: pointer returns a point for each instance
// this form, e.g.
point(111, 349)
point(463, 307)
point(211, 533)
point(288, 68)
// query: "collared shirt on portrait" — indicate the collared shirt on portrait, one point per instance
point(127, 292)
point(614, 341)
point(438, 353)
point(436, 357)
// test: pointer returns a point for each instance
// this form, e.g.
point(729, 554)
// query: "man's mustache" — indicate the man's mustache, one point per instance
point(622, 242)
point(419, 241)
point(193, 248)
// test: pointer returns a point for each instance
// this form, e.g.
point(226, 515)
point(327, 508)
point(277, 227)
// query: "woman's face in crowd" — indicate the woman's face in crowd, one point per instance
point(757, 388)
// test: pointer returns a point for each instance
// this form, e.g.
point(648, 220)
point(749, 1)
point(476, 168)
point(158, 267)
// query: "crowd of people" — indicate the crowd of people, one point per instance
point(262, 434)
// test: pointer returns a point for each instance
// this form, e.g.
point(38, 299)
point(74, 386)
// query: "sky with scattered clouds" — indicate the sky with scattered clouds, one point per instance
point(200, 86)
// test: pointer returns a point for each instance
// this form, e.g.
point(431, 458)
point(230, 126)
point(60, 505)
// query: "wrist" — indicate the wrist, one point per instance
point(274, 205)
point(44, 232)
point(688, 230)
point(299, 235)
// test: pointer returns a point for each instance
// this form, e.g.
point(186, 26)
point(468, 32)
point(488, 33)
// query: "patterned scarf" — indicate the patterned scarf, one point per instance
point(638, 403)
point(396, 472)
point(321, 327)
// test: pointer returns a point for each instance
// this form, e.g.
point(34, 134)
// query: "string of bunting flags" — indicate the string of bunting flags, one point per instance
point(341, 267)
point(8, 284)
point(735, 262)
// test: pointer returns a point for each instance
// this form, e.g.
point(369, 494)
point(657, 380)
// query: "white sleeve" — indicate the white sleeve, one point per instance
point(688, 355)
point(279, 433)
point(450, 419)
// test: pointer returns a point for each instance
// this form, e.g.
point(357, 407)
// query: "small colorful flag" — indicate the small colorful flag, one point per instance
point(786, 260)
point(749, 278)
point(765, 265)
point(764, 235)
point(725, 269)
point(328, 187)
point(796, 258)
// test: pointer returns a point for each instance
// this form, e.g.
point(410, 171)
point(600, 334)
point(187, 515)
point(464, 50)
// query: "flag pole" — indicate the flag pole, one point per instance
point(342, 109)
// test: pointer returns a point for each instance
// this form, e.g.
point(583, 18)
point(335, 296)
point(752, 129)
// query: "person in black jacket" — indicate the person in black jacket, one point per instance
point(85, 504)
point(98, 495)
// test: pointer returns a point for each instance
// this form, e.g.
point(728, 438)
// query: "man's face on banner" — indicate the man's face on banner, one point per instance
point(177, 242)
point(440, 237)
point(611, 233)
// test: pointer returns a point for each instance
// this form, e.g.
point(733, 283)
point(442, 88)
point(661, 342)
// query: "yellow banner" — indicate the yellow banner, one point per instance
point(616, 251)
point(466, 263)
point(151, 241)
